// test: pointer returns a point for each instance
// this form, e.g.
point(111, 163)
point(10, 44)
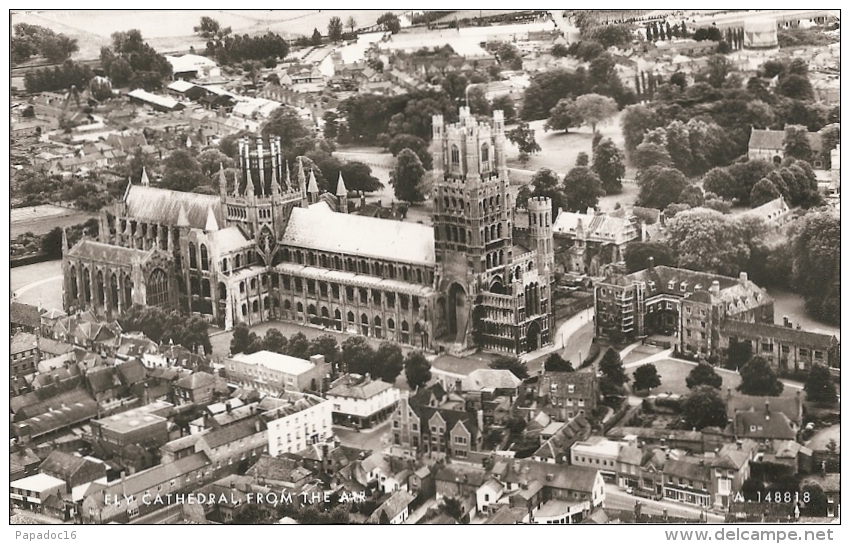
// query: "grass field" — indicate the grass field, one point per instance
point(44, 280)
point(43, 219)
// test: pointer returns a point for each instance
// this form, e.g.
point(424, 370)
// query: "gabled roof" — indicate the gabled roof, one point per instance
point(487, 378)
point(569, 477)
point(232, 433)
point(230, 239)
point(688, 468)
point(792, 407)
point(196, 380)
point(24, 314)
point(757, 425)
point(774, 139)
point(96, 251)
point(57, 418)
point(23, 341)
point(397, 241)
point(138, 483)
point(278, 468)
point(393, 506)
point(363, 388)
point(132, 372)
point(64, 465)
point(102, 379)
point(560, 443)
point(800, 338)
point(583, 381)
point(461, 474)
point(163, 206)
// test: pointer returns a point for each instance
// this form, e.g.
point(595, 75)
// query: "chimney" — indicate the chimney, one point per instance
point(651, 264)
point(458, 386)
point(228, 406)
point(785, 322)
point(257, 426)
point(715, 287)
point(742, 278)
point(799, 327)
point(232, 484)
point(728, 392)
point(767, 409)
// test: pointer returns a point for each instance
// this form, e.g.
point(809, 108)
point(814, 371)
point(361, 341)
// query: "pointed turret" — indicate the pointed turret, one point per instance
point(275, 184)
point(342, 195)
point(212, 224)
point(222, 181)
point(182, 217)
point(145, 181)
point(236, 184)
point(300, 178)
point(249, 184)
point(65, 247)
point(312, 189)
point(288, 180)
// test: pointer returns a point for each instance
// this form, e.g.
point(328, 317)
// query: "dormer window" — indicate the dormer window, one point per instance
point(571, 388)
point(671, 285)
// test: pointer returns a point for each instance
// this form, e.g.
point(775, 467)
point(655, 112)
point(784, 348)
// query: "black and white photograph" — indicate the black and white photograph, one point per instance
point(425, 267)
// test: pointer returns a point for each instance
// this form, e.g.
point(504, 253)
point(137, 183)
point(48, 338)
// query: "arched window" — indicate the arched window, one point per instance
point(157, 288)
point(287, 305)
point(205, 288)
point(224, 265)
point(418, 275)
point(238, 261)
point(350, 317)
point(193, 256)
point(311, 309)
point(113, 289)
point(222, 291)
point(299, 308)
point(100, 288)
point(364, 325)
point(241, 286)
point(244, 310)
point(287, 256)
point(205, 259)
point(455, 156)
point(390, 324)
point(485, 156)
point(74, 291)
point(255, 306)
point(253, 284)
point(266, 303)
point(405, 332)
point(377, 327)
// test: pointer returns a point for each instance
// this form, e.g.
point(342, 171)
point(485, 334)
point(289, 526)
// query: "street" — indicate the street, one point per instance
point(618, 499)
point(572, 340)
point(367, 439)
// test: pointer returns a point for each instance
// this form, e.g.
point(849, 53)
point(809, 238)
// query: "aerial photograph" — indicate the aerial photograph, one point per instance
point(425, 267)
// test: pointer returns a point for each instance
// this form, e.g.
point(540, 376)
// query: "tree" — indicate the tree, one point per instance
point(648, 155)
point(817, 504)
point(389, 362)
point(284, 122)
point(556, 363)
point(660, 186)
point(582, 159)
point(523, 137)
point(796, 87)
point(595, 109)
point(274, 341)
point(548, 87)
point(638, 253)
point(415, 144)
point(582, 189)
point(546, 183)
point(816, 250)
point(796, 143)
point(316, 38)
point(708, 241)
point(763, 192)
point(559, 50)
point(335, 29)
point(417, 369)
point(209, 28)
point(704, 407)
point(505, 104)
point(830, 136)
point(612, 368)
point(508, 362)
point(351, 23)
point(819, 386)
point(390, 22)
point(59, 48)
point(738, 354)
point(646, 377)
point(298, 346)
point(327, 346)
point(609, 165)
point(407, 176)
point(704, 374)
point(452, 507)
point(758, 378)
point(634, 122)
point(358, 177)
point(357, 355)
point(563, 116)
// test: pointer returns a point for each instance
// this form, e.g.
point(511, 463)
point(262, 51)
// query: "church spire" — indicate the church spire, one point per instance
point(341, 195)
point(300, 178)
point(182, 217)
point(212, 224)
point(249, 186)
point(145, 181)
point(288, 180)
point(236, 184)
point(275, 184)
point(222, 181)
point(340, 186)
point(65, 247)
point(313, 188)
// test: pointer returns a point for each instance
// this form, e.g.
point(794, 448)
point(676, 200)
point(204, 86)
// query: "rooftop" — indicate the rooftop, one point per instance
point(275, 361)
point(130, 420)
point(37, 483)
point(357, 388)
point(23, 341)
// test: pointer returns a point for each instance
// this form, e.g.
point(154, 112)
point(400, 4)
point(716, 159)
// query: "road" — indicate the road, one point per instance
point(572, 340)
point(618, 499)
point(368, 439)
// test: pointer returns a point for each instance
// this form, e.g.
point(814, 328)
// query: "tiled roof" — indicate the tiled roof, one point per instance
point(96, 251)
point(54, 347)
point(792, 407)
point(777, 426)
point(24, 314)
point(138, 483)
point(456, 473)
point(195, 380)
point(277, 468)
point(397, 241)
point(163, 206)
point(561, 442)
point(486, 378)
point(688, 468)
point(232, 433)
point(583, 381)
point(568, 477)
point(102, 379)
point(230, 239)
point(602, 227)
point(40, 401)
point(22, 459)
point(58, 418)
point(774, 139)
point(63, 465)
point(800, 338)
point(364, 388)
point(23, 341)
point(771, 210)
point(393, 506)
point(132, 372)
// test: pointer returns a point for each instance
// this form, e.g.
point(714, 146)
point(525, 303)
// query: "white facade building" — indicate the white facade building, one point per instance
point(296, 421)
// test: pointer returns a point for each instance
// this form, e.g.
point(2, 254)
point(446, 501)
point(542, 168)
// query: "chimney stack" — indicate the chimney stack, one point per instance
point(742, 278)
point(767, 409)
point(651, 264)
point(785, 321)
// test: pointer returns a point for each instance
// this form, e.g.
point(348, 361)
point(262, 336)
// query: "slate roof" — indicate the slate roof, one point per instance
point(102, 379)
point(568, 477)
point(40, 401)
point(582, 380)
point(232, 433)
point(195, 380)
point(64, 465)
point(393, 506)
point(23, 341)
point(364, 388)
point(58, 418)
point(461, 474)
point(801, 338)
point(163, 206)
point(777, 426)
point(791, 407)
point(598, 227)
point(278, 468)
point(24, 314)
point(22, 459)
point(139, 482)
point(688, 469)
point(132, 372)
point(96, 251)
point(507, 516)
point(54, 347)
point(352, 234)
point(774, 139)
point(561, 442)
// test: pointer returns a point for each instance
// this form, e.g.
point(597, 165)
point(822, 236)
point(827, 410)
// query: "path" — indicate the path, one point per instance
point(562, 336)
point(35, 284)
point(417, 514)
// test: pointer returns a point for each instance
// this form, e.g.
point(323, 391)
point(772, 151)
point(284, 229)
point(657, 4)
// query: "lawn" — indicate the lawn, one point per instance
point(674, 372)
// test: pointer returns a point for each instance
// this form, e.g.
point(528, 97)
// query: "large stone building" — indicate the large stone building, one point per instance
point(675, 301)
point(270, 247)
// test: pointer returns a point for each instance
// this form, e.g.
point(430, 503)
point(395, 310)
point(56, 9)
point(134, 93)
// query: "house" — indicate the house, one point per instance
point(565, 395)
point(23, 462)
point(234, 448)
point(775, 213)
point(788, 453)
point(761, 425)
point(23, 354)
point(688, 480)
point(140, 426)
point(24, 317)
point(295, 421)
point(786, 348)
point(30, 493)
point(197, 388)
point(54, 416)
point(424, 429)
point(769, 145)
point(730, 468)
point(375, 469)
point(395, 510)
point(104, 383)
point(556, 448)
point(279, 472)
point(552, 493)
point(74, 470)
point(361, 402)
point(458, 481)
point(123, 500)
point(488, 495)
point(274, 373)
point(831, 486)
point(506, 515)
point(790, 407)
point(421, 482)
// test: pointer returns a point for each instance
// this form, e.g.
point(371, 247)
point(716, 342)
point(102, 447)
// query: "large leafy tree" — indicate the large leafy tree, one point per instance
point(763, 192)
point(704, 407)
point(507, 362)
point(660, 186)
point(816, 264)
point(415, 144)
point(285, 122)
point(358, 177)
point(556, 363)
point(523, 137)
point(649, 154)
point(563, 116)
point(582, 189)
point(819, 386)
point(796, 143)
point(335, 29)
point(708, 241)
point(547, 88)
point(326, 345)
point(646, 377)
point(613, 372)
point(594, 109)
point(357, 355)
point(162, 326)
point(407, 177)
point(758, 378)
point(546, 183)
point(390, 22)
point(417, 369)
point(634, 122)
point(389, 362)
point(704, 374)
point(609, 165)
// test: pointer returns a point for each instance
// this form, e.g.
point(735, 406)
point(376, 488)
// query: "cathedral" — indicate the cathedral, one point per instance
point(271, 247)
